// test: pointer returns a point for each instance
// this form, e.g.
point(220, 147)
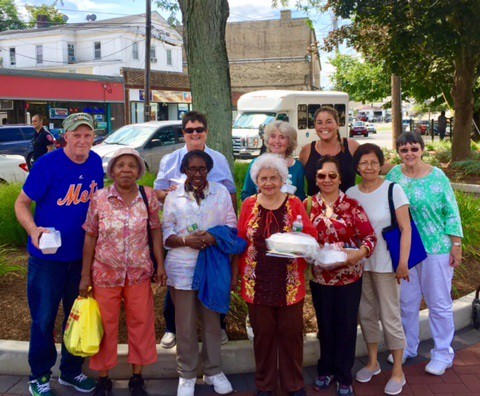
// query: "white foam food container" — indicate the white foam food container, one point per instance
point(50, 241)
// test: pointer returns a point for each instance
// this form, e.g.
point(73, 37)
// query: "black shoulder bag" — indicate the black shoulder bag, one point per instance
point(149, 231)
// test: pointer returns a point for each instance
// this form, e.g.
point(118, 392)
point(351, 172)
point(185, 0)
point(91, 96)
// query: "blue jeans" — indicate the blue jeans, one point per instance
point(50, 282)
point(169, 315)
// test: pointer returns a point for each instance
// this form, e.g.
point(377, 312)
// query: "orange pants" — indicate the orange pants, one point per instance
point(138, 301)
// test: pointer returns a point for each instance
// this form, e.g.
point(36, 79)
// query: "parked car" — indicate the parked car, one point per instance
point(152, 140)
point(358, 128)
point(13, 168)
point(422, 127)
point(371, 128)
point(17, 139)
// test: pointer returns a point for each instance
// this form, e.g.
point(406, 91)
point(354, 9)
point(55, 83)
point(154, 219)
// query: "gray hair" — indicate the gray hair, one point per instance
point(285, 129)
point(269, 161)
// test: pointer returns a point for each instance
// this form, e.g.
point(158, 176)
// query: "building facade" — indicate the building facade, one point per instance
point(99, 48)
point(273, 54)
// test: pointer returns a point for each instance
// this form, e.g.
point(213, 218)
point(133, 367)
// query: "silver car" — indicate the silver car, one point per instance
point(152, 140)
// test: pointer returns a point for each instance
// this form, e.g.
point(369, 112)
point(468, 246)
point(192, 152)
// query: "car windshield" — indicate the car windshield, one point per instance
point(131, 135)
point(358, 124)
point(253, 120)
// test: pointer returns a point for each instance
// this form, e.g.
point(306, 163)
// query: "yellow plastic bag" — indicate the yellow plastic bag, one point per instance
point(84, 329)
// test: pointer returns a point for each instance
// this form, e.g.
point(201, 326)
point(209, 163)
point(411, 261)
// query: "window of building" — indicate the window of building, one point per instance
point(39, 52)
point(13, 57)
point(153, 54)
point(169, 57)
point(71, 52)
point(98, 50)
point(135, 50)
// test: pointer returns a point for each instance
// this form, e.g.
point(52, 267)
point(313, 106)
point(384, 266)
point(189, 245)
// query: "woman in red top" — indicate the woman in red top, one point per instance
point(336, 293)
point(273, 287)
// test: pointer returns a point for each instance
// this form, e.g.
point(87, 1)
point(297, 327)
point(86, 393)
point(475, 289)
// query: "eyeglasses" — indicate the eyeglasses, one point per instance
point(197, 129)
point(365, 165)
point(331, 175)
point(405, 150)
point(193, 170)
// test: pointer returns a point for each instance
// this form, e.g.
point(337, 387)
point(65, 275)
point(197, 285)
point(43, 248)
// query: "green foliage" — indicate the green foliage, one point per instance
point(240, 169)
point(148, 179)
point(5, 267)
point(11, 232)
point(469, 207)
point(364, 81)
point(54, 17)
point(9, 18)
point(470, 166)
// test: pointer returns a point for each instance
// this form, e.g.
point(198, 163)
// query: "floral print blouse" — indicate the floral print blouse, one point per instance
point(267, 280)
point(348, 224)
point(433, 206)
point(122, 253)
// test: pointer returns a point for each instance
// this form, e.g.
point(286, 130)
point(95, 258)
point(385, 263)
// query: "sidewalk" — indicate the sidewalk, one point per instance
point(462, 379)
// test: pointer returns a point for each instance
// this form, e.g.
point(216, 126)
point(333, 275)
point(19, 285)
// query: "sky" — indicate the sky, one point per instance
point(240, 10)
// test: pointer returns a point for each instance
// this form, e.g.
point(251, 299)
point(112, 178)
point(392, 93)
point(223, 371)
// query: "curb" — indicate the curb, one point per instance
point(468, 188)
point(237, 356)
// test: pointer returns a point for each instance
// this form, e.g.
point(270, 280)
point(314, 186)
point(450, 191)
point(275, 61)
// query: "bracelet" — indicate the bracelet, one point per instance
point(457, 244)
point(184, 243)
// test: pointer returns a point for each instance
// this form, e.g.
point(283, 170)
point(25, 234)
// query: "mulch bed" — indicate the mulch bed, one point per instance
point(15, 322)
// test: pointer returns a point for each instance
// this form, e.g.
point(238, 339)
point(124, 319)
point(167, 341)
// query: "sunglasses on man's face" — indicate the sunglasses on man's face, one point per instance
point(331, 175)
point(405, 150)
point(197, 129)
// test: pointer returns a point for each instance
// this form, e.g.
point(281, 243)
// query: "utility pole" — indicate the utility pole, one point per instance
point(148, 36)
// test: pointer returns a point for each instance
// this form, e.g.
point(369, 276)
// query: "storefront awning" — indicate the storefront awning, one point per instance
point(33, 85)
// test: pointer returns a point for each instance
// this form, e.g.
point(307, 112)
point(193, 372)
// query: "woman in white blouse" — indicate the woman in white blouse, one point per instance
point(194, 207)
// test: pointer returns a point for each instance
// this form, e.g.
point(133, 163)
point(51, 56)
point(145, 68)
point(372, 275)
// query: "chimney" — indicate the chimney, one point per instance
point(42, 21)
point(285, 15)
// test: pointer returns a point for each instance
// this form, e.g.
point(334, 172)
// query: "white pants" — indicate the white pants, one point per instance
point(433, 279)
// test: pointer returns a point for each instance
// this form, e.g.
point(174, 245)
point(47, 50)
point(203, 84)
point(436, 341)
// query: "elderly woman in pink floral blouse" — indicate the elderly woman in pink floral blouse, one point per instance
point(116, 261)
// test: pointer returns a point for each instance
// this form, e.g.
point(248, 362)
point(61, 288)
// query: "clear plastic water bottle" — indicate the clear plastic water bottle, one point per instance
point(297, 225)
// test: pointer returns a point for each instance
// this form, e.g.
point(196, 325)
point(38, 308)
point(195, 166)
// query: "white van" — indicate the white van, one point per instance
point(256, 109)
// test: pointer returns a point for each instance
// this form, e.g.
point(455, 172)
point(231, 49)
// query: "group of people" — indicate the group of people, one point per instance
point(105, 248)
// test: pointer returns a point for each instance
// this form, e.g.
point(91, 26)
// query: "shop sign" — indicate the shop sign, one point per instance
point(167, 96)
point(57, 113)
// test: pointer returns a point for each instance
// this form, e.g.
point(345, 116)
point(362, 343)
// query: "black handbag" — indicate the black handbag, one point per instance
point(149, 232)
point(392, 236)
point(476, 310)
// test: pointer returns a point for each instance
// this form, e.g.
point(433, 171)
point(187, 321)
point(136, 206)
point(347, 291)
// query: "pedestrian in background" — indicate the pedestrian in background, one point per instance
point(43, 141)
point(442, 125)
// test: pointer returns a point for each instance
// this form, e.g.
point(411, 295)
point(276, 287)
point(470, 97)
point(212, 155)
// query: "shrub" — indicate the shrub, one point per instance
point(5, 268)
point(11, 232)
point(470, 166)
point(469, 207)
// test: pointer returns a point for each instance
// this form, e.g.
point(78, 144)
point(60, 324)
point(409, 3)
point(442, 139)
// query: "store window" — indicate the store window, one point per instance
point(39, 53)
point(13, 57)
point(135, 50)
point(98, 50)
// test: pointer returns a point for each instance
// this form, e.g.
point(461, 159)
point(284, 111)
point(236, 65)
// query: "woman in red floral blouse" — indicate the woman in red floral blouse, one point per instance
point(336, 293)
point(273, 287)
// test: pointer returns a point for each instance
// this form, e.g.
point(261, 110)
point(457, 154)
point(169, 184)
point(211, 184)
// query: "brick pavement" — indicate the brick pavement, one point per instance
point(462, 379)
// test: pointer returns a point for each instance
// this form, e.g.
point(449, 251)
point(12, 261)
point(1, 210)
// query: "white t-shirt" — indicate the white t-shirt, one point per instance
point(376, 206)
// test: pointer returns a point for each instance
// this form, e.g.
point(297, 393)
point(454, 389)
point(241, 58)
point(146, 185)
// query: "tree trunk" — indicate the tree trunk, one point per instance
point(396, 109)
point(462, 93)
point(204, 24)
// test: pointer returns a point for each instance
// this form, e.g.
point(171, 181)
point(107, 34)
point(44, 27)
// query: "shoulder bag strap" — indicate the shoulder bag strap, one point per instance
point(149, 231)
point(393, 217)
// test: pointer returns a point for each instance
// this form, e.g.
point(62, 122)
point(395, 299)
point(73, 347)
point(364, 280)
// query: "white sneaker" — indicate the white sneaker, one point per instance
point(436, 367)
point(224, 337)
point(186, 386)
point(169, 340)
point(220, 383)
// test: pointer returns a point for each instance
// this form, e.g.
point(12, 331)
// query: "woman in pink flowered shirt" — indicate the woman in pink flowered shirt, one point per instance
point(117, 264)
point(336, 293)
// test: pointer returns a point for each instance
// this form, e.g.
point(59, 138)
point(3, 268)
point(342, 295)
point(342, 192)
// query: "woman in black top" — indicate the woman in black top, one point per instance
point(330, 143)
